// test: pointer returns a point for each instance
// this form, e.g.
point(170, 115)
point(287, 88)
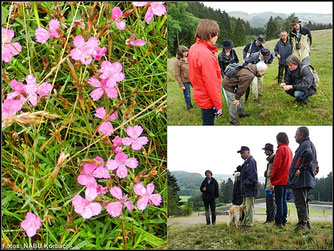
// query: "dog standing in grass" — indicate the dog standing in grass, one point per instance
point(235, 215)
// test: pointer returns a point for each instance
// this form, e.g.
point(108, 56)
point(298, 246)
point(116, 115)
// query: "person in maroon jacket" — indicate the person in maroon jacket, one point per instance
point(204, 71)
point(279, 177)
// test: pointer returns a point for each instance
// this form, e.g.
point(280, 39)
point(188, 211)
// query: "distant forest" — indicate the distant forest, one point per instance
point(183, 18)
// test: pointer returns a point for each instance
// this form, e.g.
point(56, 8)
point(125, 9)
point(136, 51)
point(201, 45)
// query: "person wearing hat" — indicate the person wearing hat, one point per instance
point(263, 55)
point(301, 41)
point(270, 197)
point(279, 177)
point(181, 71)
point(248, 184)
point(236, 87)
point(227, 56)
point(282, 52)
point(254, 46)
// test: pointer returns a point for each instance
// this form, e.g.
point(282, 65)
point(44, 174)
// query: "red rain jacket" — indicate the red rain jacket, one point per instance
point(204, 75)
point(280, 173)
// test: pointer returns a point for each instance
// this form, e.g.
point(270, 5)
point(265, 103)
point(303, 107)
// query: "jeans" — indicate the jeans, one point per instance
point(281, 203)
point(248, 203)
point(208, 116)
point(301, 201)
point(281, 69)
point(212, 205)
point(299, 95)
point(270, 207)
point(186, 93)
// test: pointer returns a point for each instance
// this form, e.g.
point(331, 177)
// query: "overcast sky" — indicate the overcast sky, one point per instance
point(198, 148)
point(277, 7)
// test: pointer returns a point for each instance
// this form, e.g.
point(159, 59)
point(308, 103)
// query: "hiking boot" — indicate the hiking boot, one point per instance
point(304, 102)
point(234, 122)
point(308, 224)
point(278, 225)
point(300, 227)
point(266, 222)
point(244, 115)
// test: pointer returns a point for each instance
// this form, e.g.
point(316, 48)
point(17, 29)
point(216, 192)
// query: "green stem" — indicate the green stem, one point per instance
point(36, 15)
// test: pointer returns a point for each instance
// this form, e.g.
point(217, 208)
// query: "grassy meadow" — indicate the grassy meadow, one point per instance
point(276, 107)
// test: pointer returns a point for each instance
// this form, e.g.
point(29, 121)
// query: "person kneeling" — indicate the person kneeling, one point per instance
point(299, 82)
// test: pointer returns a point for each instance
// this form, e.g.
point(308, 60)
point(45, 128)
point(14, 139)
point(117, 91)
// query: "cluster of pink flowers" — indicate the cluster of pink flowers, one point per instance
point(22, 93)
point(42, 35)
point(9, 49)
point(90, 174)
point(155, 8)
point(116, 15)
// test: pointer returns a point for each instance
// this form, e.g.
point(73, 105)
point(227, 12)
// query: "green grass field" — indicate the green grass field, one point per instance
point(184, 198)
point(258, 237)
point(276, 107)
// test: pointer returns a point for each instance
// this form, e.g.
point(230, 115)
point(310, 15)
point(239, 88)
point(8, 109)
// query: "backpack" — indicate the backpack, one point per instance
point(232, 69)
point(314, 73)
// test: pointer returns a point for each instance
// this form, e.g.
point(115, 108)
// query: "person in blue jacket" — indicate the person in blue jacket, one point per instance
point(282, 51)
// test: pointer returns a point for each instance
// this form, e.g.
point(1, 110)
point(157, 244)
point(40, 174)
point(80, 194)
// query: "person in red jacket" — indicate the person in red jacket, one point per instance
point(204, 71)
point(279, 177)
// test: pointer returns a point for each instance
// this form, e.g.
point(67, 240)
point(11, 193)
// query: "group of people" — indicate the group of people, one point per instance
point(201, 69)
point(284, 171)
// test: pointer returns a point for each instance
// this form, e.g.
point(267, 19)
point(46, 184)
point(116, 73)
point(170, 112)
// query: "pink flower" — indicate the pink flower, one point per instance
point(135, 141)
point(116, 15)
point(9, 49)
point(42, 35)
point(112, 72)
point(11, 106)
point(85, 50)
point(117, 141)
point(104, 86)
point(155, 8)
point(91, 171)
point(101, 190)
point(147, 196)
point(120, 163)
point(115, 208)
point(85, 207)
point(106, 127)
point(31, 224)
point(99, 52)
point(138, 42)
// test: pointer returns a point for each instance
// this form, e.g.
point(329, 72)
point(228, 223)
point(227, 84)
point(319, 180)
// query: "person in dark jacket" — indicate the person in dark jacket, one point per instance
point(282, 52)
point(301, 41)
point(299, 82)
point(237, 198)
point(236, 87)
point(227, 56)
point(209, 189)
point(270, 195)
point(254, 46)
point(249, 185)
point(302, 172)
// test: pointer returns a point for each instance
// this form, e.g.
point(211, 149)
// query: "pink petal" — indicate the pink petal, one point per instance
point(139, 4)
point(13, 48)
point(116, 192)
point(127, 141)
point(97, 94)
point(42, 35)
point(158, 8)
point(98, 158)
point(117, 141)
point(137, 144)
point(44, 89)
point(93, 81)
point(33, 99)
point(106, 128)
point(7, 35)
point(31, 84)
point(93, 209)
point(118, 76)
point(116, 13)
point(100, 112)
point(90, 193)
point(6, 55)
point(128, 205)
point(155, 199)
point(11, 107)
point(79, 41)
point(113, 116)
point(31, 224)
point(17, 86)
point(86, 180)
point(89, 168)
point(101, 190)
point(79, 204)
point(122, 171)
point(92, 43)
point(99, 53)
point(76, 54)
point(149, 188)
point(142, 203)
point(132, 163)
point(149, 15)
point(138, 42)
point(120, 25)
point(53, 26)
point(139, 189)
point(112, 164)
point(12, 95)
point(111, 92)
point(135, 131)
point(86, 60)
point(114, 208)
point(101, 172)
point(121, 157)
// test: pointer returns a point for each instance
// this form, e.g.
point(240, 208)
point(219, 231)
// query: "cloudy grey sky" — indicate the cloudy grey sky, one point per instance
point(198, 148)
point(278, 7)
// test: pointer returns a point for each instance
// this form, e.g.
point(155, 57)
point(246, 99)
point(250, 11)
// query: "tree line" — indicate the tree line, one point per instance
point(183, 18)
point(321, 192)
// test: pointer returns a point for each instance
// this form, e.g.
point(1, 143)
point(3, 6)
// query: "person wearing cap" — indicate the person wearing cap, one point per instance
point(299, 82)
point(301, 41)
point(209, 189)
point(270, 196)
point(204, 71)
point(282, 52)
point(302, 172)
point(254, 46)
point(227, 56)
point(249, 185)
point(236, 197)
point(236, 87)
point(181, 71)
point(279, 177)
point(263, 55)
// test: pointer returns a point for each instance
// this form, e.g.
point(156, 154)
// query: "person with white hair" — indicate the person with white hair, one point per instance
point(236, 87)
point(236, 197)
